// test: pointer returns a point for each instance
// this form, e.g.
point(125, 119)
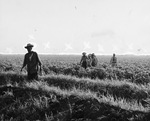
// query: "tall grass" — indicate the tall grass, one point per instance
point(116, 88)
point(66, 98)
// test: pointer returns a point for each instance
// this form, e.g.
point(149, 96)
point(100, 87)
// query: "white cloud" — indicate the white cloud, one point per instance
point(68, 47)
point(103, 22)
point(130, 46)
point(115, 48)
point(46, 45)
point(9, 50)
point(141, 51)
point(129, 53)
point(31, 37)
point(109, 33)
point(63, 53)
point(130, 49)
point(100, 48)
point(86, 45)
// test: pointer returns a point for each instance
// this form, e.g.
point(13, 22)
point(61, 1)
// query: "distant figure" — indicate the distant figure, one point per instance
point(113, 61)
point(83, 61)
point(32, 61)
point(89, 60)
point(94, 60)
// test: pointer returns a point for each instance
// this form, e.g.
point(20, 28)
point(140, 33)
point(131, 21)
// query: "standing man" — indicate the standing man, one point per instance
point(113, 61)
point(32, 61)
point(83, 61)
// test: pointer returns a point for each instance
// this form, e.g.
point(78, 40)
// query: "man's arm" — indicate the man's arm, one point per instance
point(81, 60)
point(111, 60)
point(39, 62)
point(24, 63)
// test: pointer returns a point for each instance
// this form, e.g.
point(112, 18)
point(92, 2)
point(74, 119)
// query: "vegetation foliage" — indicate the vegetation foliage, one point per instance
point(67, 92)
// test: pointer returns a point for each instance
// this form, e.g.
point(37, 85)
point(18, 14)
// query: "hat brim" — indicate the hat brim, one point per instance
point(28, 46)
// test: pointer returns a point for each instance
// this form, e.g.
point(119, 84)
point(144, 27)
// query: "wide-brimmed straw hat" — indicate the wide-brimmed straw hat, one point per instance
point(29, 45)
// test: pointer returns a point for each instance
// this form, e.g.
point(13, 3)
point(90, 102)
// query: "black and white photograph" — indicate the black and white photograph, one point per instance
point(74, 60)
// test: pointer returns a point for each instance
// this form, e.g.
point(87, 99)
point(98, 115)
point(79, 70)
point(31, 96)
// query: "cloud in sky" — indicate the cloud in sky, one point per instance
point(130, 46)
point(115, 48)
point(9, 50)
point(31, 37)
point(86, 45)
point(46, 45)
point(68, 46)
point(109, 33)
point(142, 51)
point(100, 48)
point(99, 21)
point(128, 53)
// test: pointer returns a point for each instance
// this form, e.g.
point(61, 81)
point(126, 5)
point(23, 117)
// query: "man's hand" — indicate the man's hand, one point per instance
point(40, 70)
point(21, 69)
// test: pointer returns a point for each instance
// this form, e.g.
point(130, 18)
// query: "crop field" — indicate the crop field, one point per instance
point(67, 92)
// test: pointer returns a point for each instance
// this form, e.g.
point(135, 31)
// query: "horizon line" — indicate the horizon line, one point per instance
point(124, 54)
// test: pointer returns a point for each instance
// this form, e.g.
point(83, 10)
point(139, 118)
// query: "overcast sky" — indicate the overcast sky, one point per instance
point(74, 26)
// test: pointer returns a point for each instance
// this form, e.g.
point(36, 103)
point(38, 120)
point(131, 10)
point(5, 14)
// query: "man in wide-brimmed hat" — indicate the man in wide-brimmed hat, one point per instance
point(83, 61)
point(32, 61)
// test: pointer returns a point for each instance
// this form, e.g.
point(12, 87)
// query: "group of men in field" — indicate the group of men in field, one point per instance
point(32, 61)
point(88, 61)
point(92, 61)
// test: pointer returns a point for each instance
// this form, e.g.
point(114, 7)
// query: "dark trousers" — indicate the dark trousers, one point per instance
point(84, 64)
point(33, 76)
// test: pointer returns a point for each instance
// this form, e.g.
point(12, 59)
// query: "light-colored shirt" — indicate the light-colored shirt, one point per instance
point(94, 61)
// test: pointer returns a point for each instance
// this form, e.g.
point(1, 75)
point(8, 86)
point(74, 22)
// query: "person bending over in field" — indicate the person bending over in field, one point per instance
point(94, 60)
point(83, 61)
point(113, 61)
point(32, 61)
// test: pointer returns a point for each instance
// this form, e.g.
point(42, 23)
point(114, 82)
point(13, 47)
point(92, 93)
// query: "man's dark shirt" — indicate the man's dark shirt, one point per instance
point(31, 60)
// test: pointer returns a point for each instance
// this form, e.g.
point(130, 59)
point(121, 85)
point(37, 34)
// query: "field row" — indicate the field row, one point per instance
point(37, 100)
point(115, 88)
point(135, 69)
point(126, 89)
